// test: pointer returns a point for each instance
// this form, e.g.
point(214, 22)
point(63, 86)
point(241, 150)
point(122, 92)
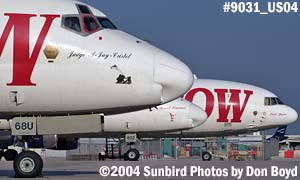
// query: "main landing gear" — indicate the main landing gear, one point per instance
point(27, 164)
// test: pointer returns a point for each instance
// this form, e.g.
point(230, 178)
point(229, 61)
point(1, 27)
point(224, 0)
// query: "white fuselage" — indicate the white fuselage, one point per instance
point(232, 108)
point(82, 77)
point(227, 115)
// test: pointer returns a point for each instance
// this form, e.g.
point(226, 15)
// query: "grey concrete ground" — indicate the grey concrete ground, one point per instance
point(86, 170)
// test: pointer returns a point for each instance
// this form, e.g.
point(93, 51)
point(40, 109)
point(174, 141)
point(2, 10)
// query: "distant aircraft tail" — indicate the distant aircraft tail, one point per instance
point(279, 134)
point(195, 76)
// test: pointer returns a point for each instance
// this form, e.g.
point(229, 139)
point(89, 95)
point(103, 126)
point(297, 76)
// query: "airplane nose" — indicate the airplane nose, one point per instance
point(175, 77)
point(292, 115)
point(197, 114)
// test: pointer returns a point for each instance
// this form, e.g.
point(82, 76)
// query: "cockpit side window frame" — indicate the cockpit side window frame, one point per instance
point(99, 27)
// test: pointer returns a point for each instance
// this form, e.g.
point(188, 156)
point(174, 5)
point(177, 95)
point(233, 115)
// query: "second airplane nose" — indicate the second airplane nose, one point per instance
point(292, 115)
point(174, 76)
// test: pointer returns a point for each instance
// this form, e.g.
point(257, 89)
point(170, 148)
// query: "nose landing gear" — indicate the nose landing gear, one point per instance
point(132, 155)
point(206, 156)
point(28, 164)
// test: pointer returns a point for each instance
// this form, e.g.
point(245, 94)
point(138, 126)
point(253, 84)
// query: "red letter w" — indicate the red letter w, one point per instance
point(23, 62)
point(234, 102)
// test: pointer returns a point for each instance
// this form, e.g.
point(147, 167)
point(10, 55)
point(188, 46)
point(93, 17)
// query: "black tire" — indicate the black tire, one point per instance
point(10, 154)
point(206, 156)
point(28, 164)
point(1, 154)
point(125, 157)
point(132, 155)
point(100, 157)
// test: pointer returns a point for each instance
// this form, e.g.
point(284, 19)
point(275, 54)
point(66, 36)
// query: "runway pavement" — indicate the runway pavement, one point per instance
point(86, 170)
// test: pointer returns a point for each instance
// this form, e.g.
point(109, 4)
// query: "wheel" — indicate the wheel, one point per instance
point(206, 156)
point(10, 154)
point(28, 164)
point(132, 155)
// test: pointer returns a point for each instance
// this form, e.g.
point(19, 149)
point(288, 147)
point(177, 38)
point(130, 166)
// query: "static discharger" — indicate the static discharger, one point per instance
point(51, 52)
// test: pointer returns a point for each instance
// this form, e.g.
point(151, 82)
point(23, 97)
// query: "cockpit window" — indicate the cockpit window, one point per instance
point(106, 23)
point(279, 101)
point(72, 23)
point(84, 9)
point(267, 101)
point(90, 24)
point(271, 101)
point(85, 22)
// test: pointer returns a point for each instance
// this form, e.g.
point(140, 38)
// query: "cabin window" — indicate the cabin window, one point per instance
point(72, 23)
point(90, 24)
point(84, 9)
point(106, 23)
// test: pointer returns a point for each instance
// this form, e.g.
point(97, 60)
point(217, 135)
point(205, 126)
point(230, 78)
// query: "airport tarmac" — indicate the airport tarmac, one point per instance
point(86, 170)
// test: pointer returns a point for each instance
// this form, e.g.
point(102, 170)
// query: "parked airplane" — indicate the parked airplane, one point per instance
point(232, 109)
point(279, 134)
point(64, 58)
point(235, 108)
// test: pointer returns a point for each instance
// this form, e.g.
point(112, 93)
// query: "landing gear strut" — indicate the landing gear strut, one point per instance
point(28, 164)
point(132, 154)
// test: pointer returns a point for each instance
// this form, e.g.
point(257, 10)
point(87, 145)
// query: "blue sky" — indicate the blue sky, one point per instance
point(254, 49)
